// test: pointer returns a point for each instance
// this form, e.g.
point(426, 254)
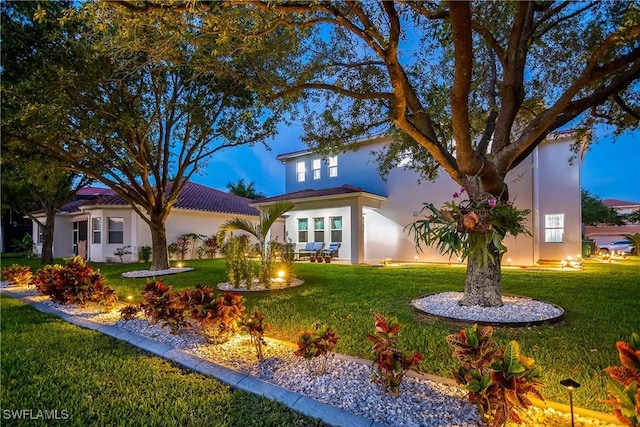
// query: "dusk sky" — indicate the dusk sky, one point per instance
point(610, 170)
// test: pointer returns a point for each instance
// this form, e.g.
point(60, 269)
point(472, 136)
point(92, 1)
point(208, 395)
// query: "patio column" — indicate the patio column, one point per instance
point(357, 232)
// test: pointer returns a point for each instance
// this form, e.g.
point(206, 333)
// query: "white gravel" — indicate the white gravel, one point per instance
point(346, 384)
point(152, 273)
point(514, 309)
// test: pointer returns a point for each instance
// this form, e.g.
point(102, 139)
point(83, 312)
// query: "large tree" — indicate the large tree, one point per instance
point(31, 180)
point(594, 212)
point(469, 87)
point(139, 117)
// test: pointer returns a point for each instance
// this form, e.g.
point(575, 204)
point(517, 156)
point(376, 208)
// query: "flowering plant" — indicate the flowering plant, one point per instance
point(467, 228)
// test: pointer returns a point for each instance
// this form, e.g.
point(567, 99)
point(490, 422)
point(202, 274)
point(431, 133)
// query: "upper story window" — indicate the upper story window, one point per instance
point(303, 230)
point(300, 171)
point(96, 228)
point(317, 164)
point(116, 230)
point(554, 228)
point(333, 166)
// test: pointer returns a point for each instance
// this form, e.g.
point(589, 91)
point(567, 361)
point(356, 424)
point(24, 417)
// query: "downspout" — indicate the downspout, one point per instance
point(535, 190)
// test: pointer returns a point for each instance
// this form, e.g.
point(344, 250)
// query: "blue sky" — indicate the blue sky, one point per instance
point(610, 170)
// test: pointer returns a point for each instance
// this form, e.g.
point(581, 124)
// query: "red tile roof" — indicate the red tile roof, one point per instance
point(193, 197)
point(610, 203)
point(304, 194)
point(94, 191)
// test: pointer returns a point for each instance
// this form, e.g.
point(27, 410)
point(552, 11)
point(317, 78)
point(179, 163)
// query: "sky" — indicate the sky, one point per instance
point(610, 170)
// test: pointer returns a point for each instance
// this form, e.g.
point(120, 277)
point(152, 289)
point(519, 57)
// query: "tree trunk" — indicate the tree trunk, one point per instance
point(159, 244)
point(483, 285)
point(47, 237)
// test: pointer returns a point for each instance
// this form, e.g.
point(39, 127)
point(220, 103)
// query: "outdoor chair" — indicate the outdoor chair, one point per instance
point(333, 249)
point(311, 248)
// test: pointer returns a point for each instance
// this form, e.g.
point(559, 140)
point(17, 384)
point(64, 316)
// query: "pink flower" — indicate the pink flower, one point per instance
point(492, 203)
point(509, 203)
point(462, 190)
point(456, 195)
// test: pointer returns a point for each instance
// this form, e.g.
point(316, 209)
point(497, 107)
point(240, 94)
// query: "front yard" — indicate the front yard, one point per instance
point(601, 306)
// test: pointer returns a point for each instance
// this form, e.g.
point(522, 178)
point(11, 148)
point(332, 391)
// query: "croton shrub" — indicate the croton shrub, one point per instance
point(624, 384)
point(498, 378)
point(316, 346)
point(17, 275)
point(74, 283)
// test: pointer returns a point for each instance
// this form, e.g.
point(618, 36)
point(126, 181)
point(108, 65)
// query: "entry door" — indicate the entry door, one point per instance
point(80, 234)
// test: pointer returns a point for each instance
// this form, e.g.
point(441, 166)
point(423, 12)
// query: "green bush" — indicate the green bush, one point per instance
point(145, 253)
point(239, 266)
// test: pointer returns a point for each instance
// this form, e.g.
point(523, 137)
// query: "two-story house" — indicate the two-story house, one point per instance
point(342, 198)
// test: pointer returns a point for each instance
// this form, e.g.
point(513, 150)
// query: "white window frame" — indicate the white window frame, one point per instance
point(40, 234)
point(303, 235)
point(318, 232)
point(335, 230)
point(301, 171)
point(317, 168)
point(554, 228)
point(96, 229)
point(332, 166)
point(114, 232)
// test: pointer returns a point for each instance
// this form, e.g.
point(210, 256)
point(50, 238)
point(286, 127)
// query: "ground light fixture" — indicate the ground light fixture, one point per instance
point(281, 274)
point(570, 385)
point(179, 265)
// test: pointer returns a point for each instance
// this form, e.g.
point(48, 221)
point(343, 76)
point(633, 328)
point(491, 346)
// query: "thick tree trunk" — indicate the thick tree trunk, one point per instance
point(483, 285)
point(159, 244)
point(47, 238)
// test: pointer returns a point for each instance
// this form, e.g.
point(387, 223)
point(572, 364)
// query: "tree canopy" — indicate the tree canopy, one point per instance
point(245, 190)
point(594, 212)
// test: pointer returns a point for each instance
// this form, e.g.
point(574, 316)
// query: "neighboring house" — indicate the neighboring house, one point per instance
point(603, 234)
point(343, 199)
point(99, 221)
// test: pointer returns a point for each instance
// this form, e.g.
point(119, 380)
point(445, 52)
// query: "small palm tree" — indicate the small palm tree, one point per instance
point(244, 190)
point(260, 231)
point(635, 240)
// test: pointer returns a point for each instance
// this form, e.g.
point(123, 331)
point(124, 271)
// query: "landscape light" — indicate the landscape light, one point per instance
point(570, 385)
point(509, 262)
point(179, 265)
point(281, 274)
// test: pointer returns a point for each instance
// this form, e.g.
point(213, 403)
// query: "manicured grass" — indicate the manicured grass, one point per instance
point(601, 305)
point(48, 364)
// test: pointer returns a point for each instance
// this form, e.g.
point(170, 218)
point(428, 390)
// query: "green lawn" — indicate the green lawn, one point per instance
point(601, 303)
point(92, 379)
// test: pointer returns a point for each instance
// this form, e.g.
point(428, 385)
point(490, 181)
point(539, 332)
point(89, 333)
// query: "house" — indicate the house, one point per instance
point(342, 198)
point(603, 234)
point(99, 221)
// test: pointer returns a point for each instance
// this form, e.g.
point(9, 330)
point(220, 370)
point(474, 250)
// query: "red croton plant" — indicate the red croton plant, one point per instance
point(624, 392)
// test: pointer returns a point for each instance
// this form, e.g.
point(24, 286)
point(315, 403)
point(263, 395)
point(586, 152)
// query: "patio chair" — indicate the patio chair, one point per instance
point(333, 249)
point(309, 249)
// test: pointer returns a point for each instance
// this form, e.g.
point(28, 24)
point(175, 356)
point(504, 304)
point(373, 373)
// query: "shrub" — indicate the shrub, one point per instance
point(210, 246)
point(183, 245)
point(498, 378)
point(255, 327)
point(162, 304)
point(624, 391)
point(74, 283)
point(145, 253)
point(173, 249)
point(390, 364)
point(129, 311)
point(24, 246)
point(17, 275)
point(239, 266)
point(319, 342)
point(217, 318)
point(121, 252)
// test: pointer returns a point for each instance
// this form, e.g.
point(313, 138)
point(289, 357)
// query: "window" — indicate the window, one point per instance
point(116, 230)
point(333, 166)
point(300, 171)
point(40, 234)
point(554, 228)
point(303, 230)
point(318, 229)
point(96, 228)
point(316, 168)
point(336, 228)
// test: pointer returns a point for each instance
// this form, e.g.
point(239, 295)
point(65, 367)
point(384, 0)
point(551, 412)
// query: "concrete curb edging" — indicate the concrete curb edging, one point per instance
point(298, 402)
point(295, 401)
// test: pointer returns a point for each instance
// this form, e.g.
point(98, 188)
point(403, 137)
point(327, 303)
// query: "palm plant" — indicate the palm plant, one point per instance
point(261, 232)
point(635, 240)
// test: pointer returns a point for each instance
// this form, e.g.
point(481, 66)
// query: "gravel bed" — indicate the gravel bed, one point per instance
point(346, 383)
point(152, 273)
point(514, 309)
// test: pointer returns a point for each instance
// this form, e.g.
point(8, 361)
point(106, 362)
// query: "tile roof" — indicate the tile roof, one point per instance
point(193, 197)
point(610, 203)
point(94, 191)
point(304, 194)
